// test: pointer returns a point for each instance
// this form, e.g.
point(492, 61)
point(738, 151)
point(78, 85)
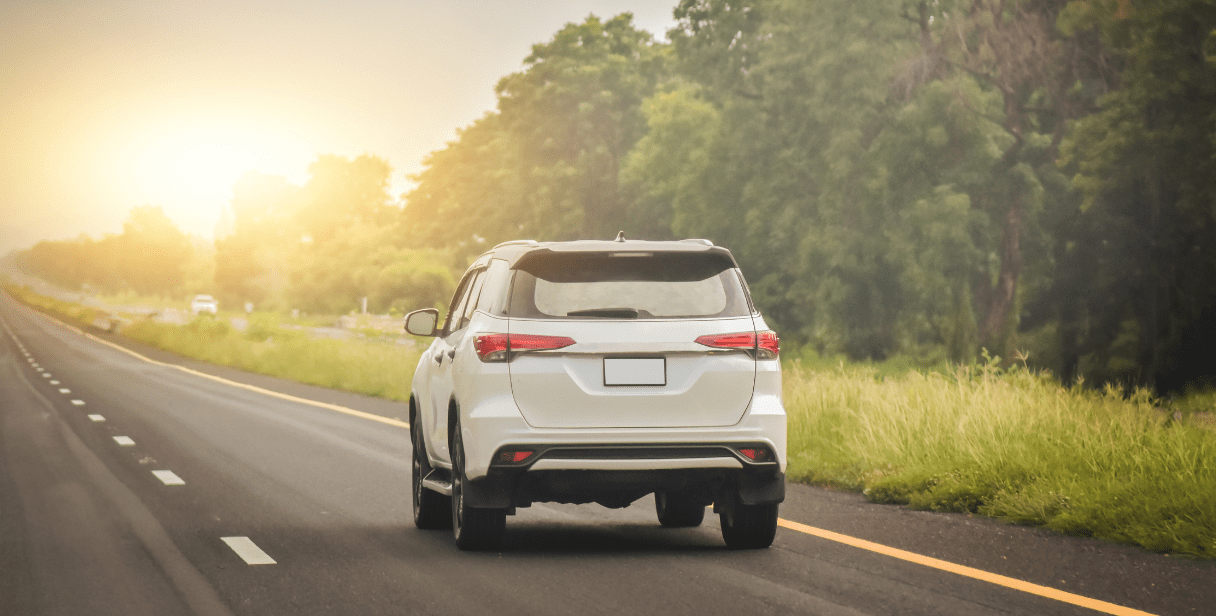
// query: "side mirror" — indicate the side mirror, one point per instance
point(422, 322)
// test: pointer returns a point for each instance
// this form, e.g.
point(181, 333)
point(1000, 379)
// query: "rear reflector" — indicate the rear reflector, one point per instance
point(764, 343)
point(755, 454)
point(510, 456)
point(497, 347)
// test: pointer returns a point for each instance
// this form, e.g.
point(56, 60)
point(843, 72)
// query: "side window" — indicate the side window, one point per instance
point(492, 299)
point(470, 303)
point(457, 305)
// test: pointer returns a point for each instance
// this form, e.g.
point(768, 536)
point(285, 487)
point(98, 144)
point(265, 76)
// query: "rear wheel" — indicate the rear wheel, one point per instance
point(749, 527)
point(475, 529)
point(678, 510)
point(432, 510)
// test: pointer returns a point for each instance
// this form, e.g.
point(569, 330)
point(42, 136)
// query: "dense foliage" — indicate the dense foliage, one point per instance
point(914, 178)
point(918, 178)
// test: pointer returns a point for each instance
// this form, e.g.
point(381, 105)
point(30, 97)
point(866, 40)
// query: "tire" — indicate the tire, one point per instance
point(474, 529)
point(432, 510)
point(749, 527)
point(677, 510)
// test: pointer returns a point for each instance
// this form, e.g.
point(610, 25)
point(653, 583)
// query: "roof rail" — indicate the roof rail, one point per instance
point(529, 243)
point(699, 241)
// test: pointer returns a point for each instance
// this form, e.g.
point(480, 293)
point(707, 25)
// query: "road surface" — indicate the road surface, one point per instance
point(137, 482)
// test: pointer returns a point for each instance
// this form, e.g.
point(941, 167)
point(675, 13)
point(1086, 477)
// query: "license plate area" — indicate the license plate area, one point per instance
point(635, 371)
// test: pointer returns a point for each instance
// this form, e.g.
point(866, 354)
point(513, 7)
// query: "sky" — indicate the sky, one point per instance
point(108, 105)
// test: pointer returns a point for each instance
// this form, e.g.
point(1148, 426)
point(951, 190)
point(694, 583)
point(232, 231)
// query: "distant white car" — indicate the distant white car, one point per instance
point(598, 372)
point(203, 303)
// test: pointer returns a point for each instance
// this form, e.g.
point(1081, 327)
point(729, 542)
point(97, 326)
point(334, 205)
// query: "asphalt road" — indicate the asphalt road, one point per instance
point(91, 524)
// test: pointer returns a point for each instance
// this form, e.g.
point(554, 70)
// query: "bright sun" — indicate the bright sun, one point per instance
point(188, 163)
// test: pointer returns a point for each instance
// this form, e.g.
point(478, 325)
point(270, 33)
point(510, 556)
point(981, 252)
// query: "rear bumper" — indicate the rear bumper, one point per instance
point(520, 487)
point(496, 423)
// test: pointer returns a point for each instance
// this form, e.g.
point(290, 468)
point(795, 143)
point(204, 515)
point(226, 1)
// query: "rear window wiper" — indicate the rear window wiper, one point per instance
point(606, 313)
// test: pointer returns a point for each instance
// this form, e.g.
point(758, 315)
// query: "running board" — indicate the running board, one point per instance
point(436, 480)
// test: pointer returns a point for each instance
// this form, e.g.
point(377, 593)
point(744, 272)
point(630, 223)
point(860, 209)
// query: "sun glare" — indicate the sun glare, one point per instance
point(188, 164)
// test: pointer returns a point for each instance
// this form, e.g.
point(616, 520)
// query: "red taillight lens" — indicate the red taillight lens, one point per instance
point(529, 342)
point(496, 347)
point(765, 343)
point(510, 456)
point(491, 347)
point(755, 454)
point(745, 340)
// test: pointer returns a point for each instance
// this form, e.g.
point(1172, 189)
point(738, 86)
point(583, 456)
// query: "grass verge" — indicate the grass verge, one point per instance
point(371, 367)
point(1012, 445)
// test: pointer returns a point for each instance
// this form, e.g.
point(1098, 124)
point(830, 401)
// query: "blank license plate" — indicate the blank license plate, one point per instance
point(635, 371)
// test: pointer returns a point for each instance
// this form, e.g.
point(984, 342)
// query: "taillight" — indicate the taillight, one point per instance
point(498, 347)
point(745, 340)
point(756, 454)
point(764, 344)
point(491, 347)
point(767, 345)
point(512, 456)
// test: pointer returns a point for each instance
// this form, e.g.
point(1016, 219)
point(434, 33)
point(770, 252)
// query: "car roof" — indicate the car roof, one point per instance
point(515, 250)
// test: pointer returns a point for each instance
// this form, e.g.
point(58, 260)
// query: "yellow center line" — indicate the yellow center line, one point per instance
point(993, 578)
point(325, 405)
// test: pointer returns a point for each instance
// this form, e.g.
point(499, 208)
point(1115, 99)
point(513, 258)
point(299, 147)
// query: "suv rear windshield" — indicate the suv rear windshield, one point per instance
point(628, 285)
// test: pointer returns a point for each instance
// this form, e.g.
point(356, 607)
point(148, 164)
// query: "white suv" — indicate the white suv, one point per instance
point(598, 372)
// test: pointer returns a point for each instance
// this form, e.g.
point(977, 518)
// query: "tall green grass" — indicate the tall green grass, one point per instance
point(1009, 444)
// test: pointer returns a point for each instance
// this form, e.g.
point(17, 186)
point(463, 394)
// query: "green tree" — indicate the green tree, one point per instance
point(1140, 267)
point(152, 251)
point(547, 162)
point(341, 192)
point(253, 254)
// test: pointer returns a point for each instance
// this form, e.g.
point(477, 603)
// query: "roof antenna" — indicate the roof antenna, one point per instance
point(620, 237)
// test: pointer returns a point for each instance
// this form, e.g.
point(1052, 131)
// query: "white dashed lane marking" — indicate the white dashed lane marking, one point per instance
point(46, 375)
point(78, 402)
point(248, 551)
point(54, 382)
point(63, 390)
point(125, 441)
point(169, 478)
point(97, 418)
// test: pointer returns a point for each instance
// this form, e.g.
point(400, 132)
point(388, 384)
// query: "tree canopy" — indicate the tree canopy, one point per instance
point(930, 179)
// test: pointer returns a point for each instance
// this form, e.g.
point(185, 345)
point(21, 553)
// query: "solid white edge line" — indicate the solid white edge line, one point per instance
point(169, 478)
point(325, 405)
point(248, 551)
point(125, 441)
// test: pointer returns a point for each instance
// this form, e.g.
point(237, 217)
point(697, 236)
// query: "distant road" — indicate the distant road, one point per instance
point(133, 487)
